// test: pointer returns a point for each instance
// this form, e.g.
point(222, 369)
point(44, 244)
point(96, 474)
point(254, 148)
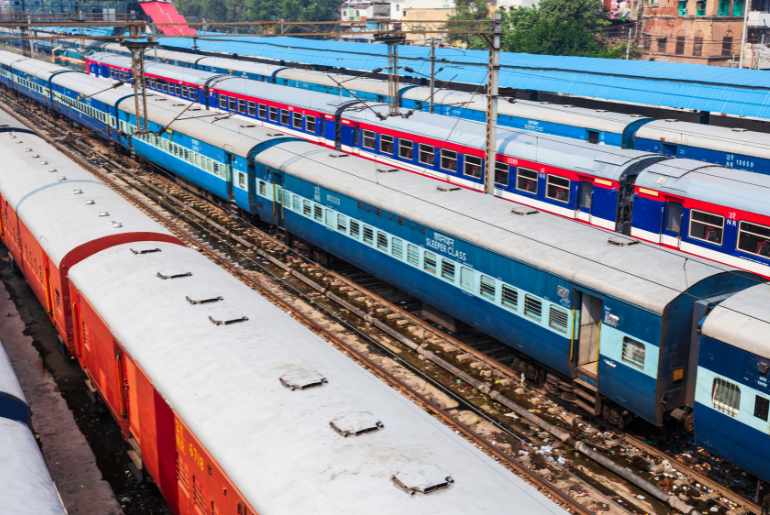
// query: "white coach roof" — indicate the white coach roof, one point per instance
point(743, 320)
point(63, 205)
point(275, 444)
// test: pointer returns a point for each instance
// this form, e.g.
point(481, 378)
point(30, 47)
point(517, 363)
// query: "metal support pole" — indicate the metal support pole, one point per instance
point(393, 78)
point(628, 43)
point(745, 35)
point(492, 98)
point(432, 71)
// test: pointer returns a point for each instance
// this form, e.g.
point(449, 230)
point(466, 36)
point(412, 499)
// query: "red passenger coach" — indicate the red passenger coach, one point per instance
point(53, 214)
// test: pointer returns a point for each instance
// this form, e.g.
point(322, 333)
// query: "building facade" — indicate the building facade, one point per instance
point(696, 31)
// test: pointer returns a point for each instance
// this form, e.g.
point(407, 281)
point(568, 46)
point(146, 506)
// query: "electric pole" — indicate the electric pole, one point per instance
point(137, 48)
point(392, 39)
point(432, 71)
point(492, 98)
point(745, 35)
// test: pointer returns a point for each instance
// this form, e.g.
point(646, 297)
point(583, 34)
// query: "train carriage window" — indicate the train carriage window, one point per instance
point(263, 189)
point(501, 173)
point(273, 114)
point(754, 239)
point(397, 247)
point(447, 270)
point(466, 278)
point(306, 208)
point(593, 136)
point(233, 104)
point(526, 180)
point(673, 215)
point(429, 262)
point(331, 219)
point(386, 144)
point(533, 308)
point(295, 203)
point(368, 235)
point(242, 180)
point(761, 407)
point(243, 107)
point(448, 160)
point(355, 228)
point(725, 396)
point(558, 319)
point(222, 101)
point(472, 166)
point(284, 117)
point(509, 297)
point(706, 227)
point(297, 120)
point(487, 287)
point(368, 139)
point(252, 109)
point(427, 155)
point(633, 352)
point(382, 241)
point(413, 254)
point(310, 123)
point(262, 108)
point(558, 188)
point(342, 223)
point(405, 149)
point(318, 212)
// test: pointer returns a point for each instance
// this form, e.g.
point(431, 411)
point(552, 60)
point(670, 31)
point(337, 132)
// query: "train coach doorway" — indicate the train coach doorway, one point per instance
point(591, 309)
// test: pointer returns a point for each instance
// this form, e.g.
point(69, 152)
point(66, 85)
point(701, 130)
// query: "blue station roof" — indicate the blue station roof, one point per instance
point(733, 92)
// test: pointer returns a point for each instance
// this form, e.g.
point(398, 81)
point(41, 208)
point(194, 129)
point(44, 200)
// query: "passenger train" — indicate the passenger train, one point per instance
point(728, 147)
point(26, 486)
point(230, 405)
point(672, 203)
point(639, 330)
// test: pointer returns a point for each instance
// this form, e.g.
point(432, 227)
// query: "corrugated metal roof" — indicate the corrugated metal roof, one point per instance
point(743, 321)
point(744, 93)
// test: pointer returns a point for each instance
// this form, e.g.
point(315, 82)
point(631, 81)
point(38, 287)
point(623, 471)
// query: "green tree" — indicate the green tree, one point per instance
point(465, 20)
point(245, 10)
point(557, 27)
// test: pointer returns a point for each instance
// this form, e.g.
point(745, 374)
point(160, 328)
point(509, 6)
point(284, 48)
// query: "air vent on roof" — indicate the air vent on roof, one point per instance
point(669, 120)
point(247, 126)
point(117, 224)
point(337, 155)
point(28, 149)
point(161, 99)
point(421, 479)
point(77, 191)
point(179, 104)
point(302, 378)
point(44, 163)
point(140, 251)
point(387, 170)
point(739, 129)
point(524, 211)
point(19, 142)
point(354, 424)
point(90, 202)
point(194, 109)
point(447, 188)
point(200, 299)
point(619, 241)
point(36, 156)
point(104, 213)
point(275, 134)
point(228, 319)
point(62, 178)
point(600, 110)
point(52, 170)
point(173, 275)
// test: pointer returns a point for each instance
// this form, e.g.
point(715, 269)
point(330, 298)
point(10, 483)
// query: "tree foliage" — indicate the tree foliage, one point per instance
point(557, 27)
point(245, 10)
point(466, 19)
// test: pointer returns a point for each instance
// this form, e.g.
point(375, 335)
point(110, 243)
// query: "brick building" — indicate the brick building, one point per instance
point(695, 31)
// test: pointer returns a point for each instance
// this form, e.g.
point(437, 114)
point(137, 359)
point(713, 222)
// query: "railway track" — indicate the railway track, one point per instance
point(491, 404)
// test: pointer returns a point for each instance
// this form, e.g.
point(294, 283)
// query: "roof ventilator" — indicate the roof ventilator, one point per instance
point(338, 155)
point(161, 99)
point(619, 241)
point(524, 211)
point(387, 170)
point(228, 320)
point(36, 156)
point(44, 162)
point(179, 104)
point(203, 300)
point(90, 202)
point(28, 149)
point(355, 424)
point(173, 275)
point(77, 191)
point(116, 224)
point(145, 250)
point(301, 379)
point(102, 214)
point(739, 129)
point(247, 126)
point(62, 178)
point(448, 188)
point(275, 134)
point(421, 479)
point(52, 170)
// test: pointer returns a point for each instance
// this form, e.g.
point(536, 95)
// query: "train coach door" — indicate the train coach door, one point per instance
point(672, 224)
point(591, 310)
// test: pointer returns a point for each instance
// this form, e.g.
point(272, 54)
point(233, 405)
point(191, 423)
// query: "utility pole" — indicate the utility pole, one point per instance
point(745, 35)
point(628, 43)
point(492, 98)
point(432, 71)
point(392, 39)
point(137, 48)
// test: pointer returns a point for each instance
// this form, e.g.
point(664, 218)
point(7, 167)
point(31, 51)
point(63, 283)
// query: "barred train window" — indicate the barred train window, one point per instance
point(558, 319)
point(397, 247)
point(633, 352)
point(448, 160)
point(405, 149)
point(413, 254)
point(726, 397)
point(447, 270)
point(558, 188)
point(284, 117)
point(501, 173)
point(533, 307)
point(754, 239)
point(342, 223)
point(509, 297)
point(706, 227)
point(386, 144)
point(318, 213)
point(382, 241)
point(761, 407)
point(262, 111)
point(368, 235)
point(487, 287)
point(310, 124)
point(526, 180)
point(426, 155)
point(355, 228)
point(472, 166)
point(297, 120)
point(429, 262)
point(368, 139)
point(252, 109)
point(273, 114)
